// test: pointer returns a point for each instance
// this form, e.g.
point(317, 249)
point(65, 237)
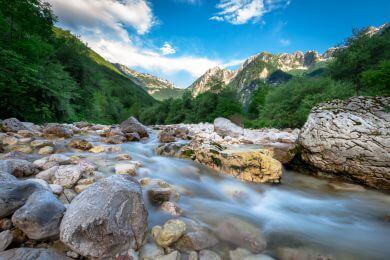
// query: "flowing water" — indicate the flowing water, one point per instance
point(302, 211)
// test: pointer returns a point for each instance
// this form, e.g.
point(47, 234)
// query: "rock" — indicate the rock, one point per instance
point(166, 137)
point(46, 150)
point(5, 239)
point(131, 125)
point(239, 253)
point(193, 255)
point(151, 251)
point(40, 216)
point(208, 255)
point(72, 254)
point(169, 233)
point(56, 189)
point(67, 175)
point(171, 208)
point(48, 174)
point(67, 196)
point(346, 187)
point(126, 168)
point(283, 152)
point(252, 165)
point(97, 149)
point(12, 125)
point(158, 195)
point(123, 157)
point(225, 127)
point(114, 139)
point(196, 240)
point(18, 167)
point(57, 130)
point(26, 133)
point(5, 224)
point(21, 148)
point(52, 160)
point(175, 255)
point(258, 257)
point(132, 137)
point(9, 140)
point(81, 187)
point(25, 253)
point(80, 144)
point(241, 233)
point(107, 218)
point(286, 253)
point(41, 143)
point(350, 139)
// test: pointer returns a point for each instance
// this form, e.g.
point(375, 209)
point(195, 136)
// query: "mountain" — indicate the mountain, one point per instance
point(212, 77)
point(158, 88)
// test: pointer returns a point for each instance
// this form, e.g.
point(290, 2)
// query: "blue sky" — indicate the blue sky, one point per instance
point(180, 39)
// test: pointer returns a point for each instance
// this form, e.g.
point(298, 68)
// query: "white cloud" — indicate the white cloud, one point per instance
point(105, 16)
point(167, 49)
point(285, 42)
point(244, 11)
point(104, 24)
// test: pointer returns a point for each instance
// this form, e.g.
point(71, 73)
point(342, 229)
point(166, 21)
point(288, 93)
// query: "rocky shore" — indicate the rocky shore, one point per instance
point(69, 191)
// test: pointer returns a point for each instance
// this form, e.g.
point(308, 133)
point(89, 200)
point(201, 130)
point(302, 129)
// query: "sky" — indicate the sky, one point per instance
point(179, 40)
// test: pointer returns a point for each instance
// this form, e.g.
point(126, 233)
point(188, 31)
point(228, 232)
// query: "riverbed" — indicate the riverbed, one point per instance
point(301, 212)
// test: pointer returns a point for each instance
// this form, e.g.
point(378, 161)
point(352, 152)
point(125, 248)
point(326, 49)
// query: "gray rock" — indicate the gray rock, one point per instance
point(57, 130)
point(132, 125)
point(41, 215)
point(193, 255)
point(241, 233)
point(18, 167)
point(196, 241)
point(175, 255)
point(107, 218)
point(12, 125)
point(224, 127)
point(208, 255)
point(5, 239)
point(151, 251)
point(14, 193)
point(67, 175)
point(24, 253)
point(350, 139)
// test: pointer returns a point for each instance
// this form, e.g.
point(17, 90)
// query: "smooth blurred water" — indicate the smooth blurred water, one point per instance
point(302, 211)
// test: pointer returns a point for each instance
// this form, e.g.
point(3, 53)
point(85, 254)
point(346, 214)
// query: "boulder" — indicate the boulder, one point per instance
point(126, 168)
point(67, 175)
point(208, 255)
point(18, 167)
point(5, 239)
point(166, 137)
point(132, 137)
point(57, 130)
point(196, 241)
point(12, 125)
point(169, 233)
point(131, 125)
point(80, 144)
point(175, 255)
point(151, 251)
point(52, 160)
point(40, 216)
point(171, 208)
point(350, 139)
point(107, 218)
point(224, 127)
point(25, 253)
point(46, 150)
point(41, 143)
point(241, 233)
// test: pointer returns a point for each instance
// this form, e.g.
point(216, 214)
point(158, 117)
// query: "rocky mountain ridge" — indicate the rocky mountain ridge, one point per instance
point(156, 87)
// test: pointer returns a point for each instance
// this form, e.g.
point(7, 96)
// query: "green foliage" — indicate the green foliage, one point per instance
point(364, 53)
point(288, 105)
point(377, 81)
point(47, 74)
point(204, 108)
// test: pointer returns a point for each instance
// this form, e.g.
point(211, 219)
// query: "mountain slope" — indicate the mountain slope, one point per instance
point(158, 88)
point(213, 76)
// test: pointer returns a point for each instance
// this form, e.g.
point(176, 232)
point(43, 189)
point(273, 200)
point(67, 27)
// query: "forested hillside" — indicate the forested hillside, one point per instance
point(47, 74)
